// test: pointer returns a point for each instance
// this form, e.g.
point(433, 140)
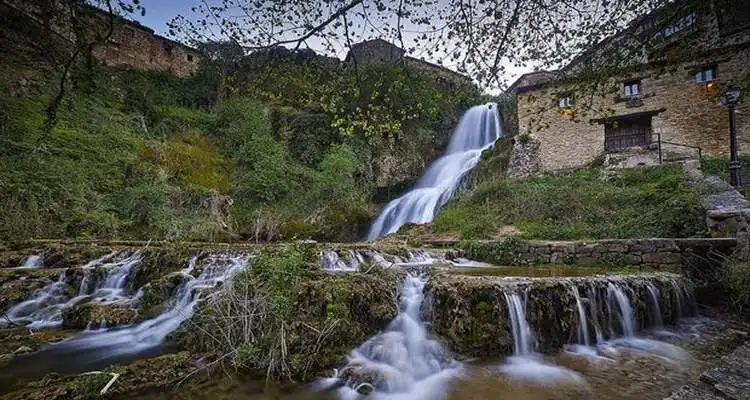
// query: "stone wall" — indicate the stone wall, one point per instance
point(693, 115)
point(669, 254)
point(524, 158)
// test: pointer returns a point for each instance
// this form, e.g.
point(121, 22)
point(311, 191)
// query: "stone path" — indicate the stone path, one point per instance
point(730, 380)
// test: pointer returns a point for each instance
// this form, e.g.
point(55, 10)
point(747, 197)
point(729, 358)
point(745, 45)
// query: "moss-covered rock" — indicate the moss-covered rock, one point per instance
point(471, 312)
point(93, 313)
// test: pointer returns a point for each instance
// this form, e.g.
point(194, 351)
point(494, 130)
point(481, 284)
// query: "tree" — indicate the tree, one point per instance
point(480, 37)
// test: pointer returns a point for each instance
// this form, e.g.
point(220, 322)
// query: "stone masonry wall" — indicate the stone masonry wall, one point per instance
point(693, 116)
point(656, 252)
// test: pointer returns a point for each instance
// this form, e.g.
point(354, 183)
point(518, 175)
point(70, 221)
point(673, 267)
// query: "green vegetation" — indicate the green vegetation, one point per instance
point(738, 282)
point(645, 202)
point(286, 318)
point(285, 149)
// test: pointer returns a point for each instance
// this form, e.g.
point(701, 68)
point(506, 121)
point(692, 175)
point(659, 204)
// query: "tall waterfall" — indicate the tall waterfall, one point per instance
point(477, 131)
point(402, 362)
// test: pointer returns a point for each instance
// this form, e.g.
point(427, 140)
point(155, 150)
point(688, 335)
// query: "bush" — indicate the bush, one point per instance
point(738, 282)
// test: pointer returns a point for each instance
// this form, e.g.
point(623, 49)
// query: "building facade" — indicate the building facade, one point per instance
point(668, 93)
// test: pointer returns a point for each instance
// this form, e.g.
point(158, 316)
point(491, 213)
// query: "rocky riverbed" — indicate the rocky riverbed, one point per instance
point(606, 332)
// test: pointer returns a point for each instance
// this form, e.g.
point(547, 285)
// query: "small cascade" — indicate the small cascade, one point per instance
point(401, 362)
point(33, 261)
point(525, 365)
point(477, 131)
point(619, 306)
point(522, 337)
point(45, 306)
point(654, 309)
point(104, 345)
point(611, 313)
point(583, 326)
point(351, 260)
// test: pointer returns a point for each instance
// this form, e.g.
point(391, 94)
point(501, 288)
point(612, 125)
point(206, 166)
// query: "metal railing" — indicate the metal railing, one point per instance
point(661, 153)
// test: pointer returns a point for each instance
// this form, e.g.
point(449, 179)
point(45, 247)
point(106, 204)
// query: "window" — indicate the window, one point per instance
point(190, 57)
point(632, 88)
point(564, 100)
point(685, 23)
point(705, 75)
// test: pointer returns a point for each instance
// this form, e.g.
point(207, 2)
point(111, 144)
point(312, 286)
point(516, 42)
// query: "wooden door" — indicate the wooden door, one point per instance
point(620, 135)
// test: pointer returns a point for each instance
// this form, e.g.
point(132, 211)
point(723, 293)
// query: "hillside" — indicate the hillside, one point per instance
point(262, 149)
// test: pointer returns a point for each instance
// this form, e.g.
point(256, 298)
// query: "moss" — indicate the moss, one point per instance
point(505, 252)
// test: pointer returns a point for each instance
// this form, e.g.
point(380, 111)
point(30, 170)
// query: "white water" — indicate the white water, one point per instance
point(45, 306)
point(477, 131)
point(525, 365)
point(583, 326)
point(623, 333)
point(352, 259)
point(402, 362)
point(34, 261)
point(106, 344)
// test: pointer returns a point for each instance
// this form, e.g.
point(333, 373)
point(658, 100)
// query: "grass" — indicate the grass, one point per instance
point(646, 202)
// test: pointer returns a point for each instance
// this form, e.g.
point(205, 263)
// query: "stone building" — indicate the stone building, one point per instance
point(381, 51)
point(138, 46)
point(129, 43)
point(666, 92)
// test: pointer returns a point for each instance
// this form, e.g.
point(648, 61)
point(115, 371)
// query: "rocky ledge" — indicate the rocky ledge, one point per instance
point(729, 380)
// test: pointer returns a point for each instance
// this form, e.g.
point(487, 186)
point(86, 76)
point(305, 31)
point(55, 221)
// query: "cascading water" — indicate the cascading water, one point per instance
point(654, 309)
point(525, 364)
point(477, 131)
point(583, 326)
point(99, 347)
point(522, 338)
point(44, 308)
point(33, 261)
point(401, 362)
point(618, 320)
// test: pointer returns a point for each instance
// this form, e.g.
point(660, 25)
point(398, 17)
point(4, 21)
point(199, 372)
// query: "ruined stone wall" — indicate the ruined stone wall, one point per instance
point(129, 44)
point(141, 48)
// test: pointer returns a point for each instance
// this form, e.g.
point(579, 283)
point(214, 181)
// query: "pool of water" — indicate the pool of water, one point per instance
point(617, 373)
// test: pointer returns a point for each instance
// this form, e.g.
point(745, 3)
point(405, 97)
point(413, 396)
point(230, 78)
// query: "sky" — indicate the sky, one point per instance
point(160, 12)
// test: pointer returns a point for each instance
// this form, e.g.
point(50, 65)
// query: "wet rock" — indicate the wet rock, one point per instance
point(729, 380)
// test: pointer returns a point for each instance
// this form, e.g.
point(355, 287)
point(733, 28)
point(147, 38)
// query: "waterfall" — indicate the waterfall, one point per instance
point(619, 304)
point(654, 309)
point(522, 337)
point(477, 131)
point(583, 327)
point(104, 345)
point(33, 261)
point(525, 364)
point(45, 306)
point(400, 362)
